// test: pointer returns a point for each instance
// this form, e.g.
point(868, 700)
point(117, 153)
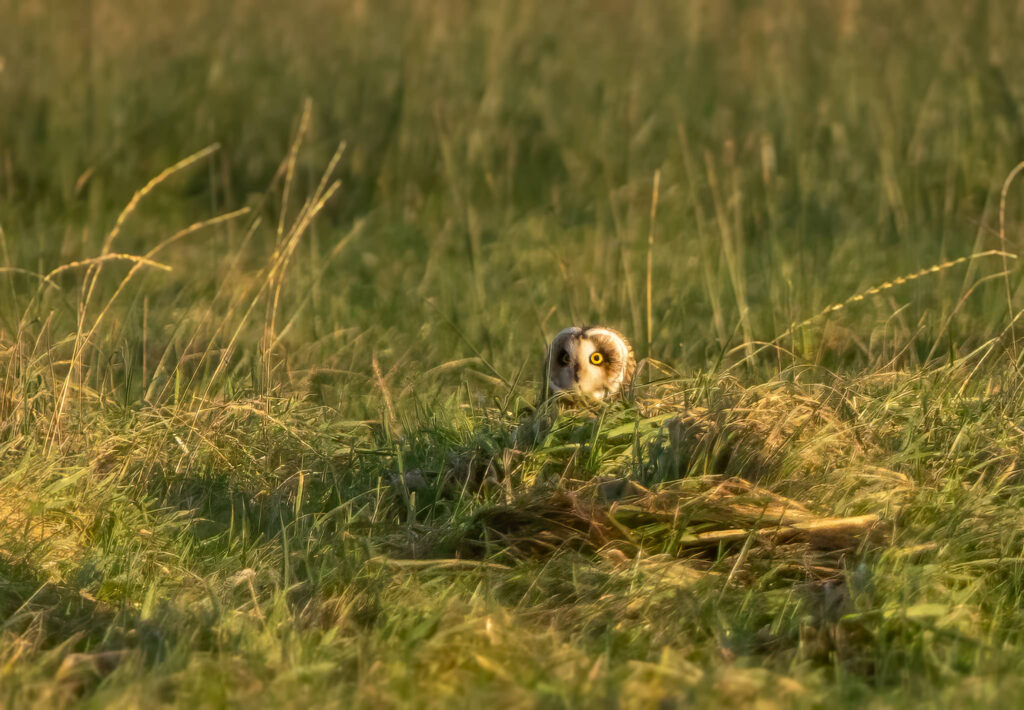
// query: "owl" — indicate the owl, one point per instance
point(593, 362)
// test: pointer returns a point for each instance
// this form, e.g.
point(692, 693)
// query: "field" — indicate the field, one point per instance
point(275, 285)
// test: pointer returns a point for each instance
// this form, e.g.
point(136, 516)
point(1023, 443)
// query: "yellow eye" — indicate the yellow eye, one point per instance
point(596, 358)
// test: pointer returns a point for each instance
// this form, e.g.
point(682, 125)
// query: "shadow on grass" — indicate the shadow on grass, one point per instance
point(71, 640)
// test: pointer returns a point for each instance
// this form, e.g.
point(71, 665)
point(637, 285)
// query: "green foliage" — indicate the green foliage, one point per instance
point(270, 433)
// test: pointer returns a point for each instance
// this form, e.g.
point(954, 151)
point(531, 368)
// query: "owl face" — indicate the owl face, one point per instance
point(594, 362)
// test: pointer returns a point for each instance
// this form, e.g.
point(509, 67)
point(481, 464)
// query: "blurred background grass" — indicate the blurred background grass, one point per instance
point(500, 159)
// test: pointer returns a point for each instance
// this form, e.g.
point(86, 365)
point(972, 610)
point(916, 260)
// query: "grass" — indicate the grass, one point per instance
point(274, 288)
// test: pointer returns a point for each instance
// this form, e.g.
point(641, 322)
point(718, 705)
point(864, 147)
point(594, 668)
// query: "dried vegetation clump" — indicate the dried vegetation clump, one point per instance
point(697, 483)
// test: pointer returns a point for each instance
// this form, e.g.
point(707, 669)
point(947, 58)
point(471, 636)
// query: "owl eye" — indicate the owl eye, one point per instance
point(563, 359)
point(596, 358)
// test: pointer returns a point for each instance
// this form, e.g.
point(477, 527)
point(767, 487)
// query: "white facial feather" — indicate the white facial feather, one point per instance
point(625, 352)
point(592, 362)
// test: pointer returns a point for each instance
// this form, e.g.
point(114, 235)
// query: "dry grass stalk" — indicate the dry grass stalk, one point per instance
point(674, 519)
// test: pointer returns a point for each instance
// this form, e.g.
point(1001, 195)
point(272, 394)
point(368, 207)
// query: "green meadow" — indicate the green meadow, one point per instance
point(276, 281)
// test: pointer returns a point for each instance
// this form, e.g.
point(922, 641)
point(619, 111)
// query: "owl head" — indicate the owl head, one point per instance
point(594, 362)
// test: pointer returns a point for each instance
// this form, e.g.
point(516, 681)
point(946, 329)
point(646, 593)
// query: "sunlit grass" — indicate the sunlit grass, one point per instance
point(274, 287)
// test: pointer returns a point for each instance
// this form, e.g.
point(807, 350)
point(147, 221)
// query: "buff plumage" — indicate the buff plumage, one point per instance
point(595, 362)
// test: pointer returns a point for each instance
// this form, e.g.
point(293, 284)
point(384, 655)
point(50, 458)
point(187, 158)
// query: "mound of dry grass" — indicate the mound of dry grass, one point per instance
point(706, 518)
